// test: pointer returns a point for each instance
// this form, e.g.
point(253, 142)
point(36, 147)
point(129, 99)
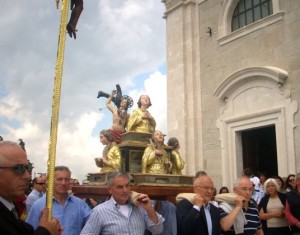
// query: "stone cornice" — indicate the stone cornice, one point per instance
point(172, 5)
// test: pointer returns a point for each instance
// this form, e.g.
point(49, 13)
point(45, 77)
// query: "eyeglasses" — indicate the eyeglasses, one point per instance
point(19, 168)
point(206, 188)
point(244, 189)
point(41, 183)
point(291, 180)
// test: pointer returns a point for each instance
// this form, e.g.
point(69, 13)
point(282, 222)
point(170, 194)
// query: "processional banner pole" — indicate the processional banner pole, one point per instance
point(56, 101)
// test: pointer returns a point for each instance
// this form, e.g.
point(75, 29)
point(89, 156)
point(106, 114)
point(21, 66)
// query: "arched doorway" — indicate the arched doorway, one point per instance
point(259, 150)
point(255, 105)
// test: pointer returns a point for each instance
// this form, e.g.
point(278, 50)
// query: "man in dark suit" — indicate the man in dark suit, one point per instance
point(14, 177)
point(199, 217)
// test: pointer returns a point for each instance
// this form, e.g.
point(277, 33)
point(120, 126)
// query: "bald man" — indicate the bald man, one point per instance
point(200, 217)
point(14, 177)
point(251, 223)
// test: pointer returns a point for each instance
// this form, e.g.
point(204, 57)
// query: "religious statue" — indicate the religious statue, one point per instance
point(140, 119)
point(115, 99)
point(111, 159)
point(119, 112)
point(76, 7)
point(120, 115)
point(155, 159)
point(177, 162)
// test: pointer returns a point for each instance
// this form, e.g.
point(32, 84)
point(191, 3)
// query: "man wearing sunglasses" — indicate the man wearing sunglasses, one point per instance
point(38, 190)
point(14, 177)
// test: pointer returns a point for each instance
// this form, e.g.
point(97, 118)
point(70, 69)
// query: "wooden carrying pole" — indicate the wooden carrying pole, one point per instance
point(56, 101)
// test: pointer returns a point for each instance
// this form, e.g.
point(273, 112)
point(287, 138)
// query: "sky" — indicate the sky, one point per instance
point(118, 42)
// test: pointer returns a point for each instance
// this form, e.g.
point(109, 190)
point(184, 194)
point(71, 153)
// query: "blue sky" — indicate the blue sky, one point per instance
point(118, 42)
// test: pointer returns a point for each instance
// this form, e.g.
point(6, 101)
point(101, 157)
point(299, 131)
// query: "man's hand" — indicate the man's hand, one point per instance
point(240, 201)
point(198, 200)
point(52, 225)
point(144, 201)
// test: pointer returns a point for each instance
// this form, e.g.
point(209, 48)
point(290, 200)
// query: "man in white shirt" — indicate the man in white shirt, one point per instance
point(119, 215)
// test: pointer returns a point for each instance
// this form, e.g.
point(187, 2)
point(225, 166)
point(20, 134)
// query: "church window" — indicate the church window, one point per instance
point(249, 11)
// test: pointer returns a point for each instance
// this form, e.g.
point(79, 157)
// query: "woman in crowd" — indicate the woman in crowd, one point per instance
point(290, 183)
point(224, 189)
point(262, 177)
point(280, 182)
point(272, 210)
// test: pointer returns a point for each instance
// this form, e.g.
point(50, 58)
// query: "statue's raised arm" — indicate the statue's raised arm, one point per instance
point(119, 111)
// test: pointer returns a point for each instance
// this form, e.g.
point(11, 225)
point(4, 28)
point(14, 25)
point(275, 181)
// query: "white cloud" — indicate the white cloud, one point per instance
point(77, 148)
point(116, 42)
point(155, 86)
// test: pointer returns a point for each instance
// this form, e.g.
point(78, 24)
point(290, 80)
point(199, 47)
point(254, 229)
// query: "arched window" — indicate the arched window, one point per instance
point(249, 11)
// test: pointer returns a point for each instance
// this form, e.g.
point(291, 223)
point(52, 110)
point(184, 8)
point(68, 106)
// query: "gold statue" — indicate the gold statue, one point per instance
point(140, 119)
point(155, 159)
point(111, 159)
point(177, 162)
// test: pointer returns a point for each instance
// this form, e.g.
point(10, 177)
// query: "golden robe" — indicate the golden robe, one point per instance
point(137, 123)
point(177, 163)
point(155, 164)
point(112, 155)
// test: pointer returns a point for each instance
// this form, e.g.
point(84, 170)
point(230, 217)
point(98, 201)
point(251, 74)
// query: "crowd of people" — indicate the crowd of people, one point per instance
point(238, 211)
point(254, 205)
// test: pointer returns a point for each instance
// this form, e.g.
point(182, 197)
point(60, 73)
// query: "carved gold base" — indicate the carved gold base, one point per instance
point(144, 179)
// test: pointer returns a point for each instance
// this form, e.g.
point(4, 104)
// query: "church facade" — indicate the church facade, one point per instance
point(233, 85)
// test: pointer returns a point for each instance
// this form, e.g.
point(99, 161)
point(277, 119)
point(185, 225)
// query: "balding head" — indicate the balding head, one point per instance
point(243, 186)
point(13, 183)
point(203, 185)
point(6, 148)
